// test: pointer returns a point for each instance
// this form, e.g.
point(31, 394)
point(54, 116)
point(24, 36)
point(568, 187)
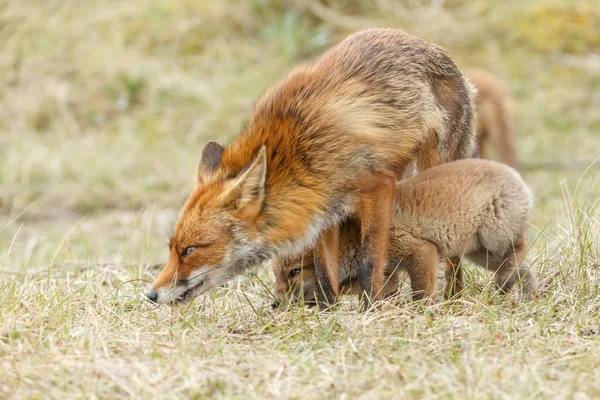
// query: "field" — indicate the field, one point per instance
point(104, 109)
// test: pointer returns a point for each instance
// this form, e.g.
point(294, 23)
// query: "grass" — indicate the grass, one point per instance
point(104, 108)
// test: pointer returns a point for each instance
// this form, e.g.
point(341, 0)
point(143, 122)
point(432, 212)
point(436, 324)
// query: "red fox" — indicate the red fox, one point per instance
point(475, 208)
point(327, 142)
point(494, 105)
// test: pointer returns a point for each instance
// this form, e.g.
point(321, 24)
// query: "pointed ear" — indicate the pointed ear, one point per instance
point(209, 161)
point(246, 195)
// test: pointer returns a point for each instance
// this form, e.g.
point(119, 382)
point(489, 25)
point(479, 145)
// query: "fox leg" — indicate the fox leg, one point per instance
point(509, 266)
point(454, 278)
point(421, 259)
point(432, 154)
point(327, 266)
point(375, 208)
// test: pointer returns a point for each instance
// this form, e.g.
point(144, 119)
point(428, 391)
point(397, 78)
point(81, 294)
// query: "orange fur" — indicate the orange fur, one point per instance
point(324, 144)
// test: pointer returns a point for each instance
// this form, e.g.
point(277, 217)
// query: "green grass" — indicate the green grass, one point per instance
point(104, 108)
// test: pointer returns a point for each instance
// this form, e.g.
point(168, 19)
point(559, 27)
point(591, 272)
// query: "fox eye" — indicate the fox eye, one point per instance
point(187, 251)
point(295, 272)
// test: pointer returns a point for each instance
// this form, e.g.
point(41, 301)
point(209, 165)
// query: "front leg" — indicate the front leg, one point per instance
point(327, 266)
point(375, 209)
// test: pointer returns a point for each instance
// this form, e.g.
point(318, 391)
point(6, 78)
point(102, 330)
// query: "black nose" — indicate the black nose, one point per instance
point(275, 304)
point(152, 295)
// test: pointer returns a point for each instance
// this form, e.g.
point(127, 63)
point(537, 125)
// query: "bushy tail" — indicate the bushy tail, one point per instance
point(500, 131)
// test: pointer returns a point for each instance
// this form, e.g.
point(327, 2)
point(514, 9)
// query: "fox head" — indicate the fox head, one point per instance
point(216, 236)
point(295, 279)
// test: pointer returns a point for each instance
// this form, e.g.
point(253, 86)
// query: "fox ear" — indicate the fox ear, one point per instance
point(246, 195)
point(209, 161)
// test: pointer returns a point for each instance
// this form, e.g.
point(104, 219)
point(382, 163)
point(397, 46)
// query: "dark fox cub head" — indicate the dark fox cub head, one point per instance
point(295, 279)
point(215, 236)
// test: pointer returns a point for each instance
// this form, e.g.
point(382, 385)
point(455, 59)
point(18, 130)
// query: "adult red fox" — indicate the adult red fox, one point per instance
point(326, 143)
point(494, 105)
point(475, 208)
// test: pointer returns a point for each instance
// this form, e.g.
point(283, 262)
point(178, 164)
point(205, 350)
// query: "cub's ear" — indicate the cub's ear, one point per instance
point(246, 194)
point(209, 161)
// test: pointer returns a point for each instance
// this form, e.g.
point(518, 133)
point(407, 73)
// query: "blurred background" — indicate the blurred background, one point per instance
point(105, 105)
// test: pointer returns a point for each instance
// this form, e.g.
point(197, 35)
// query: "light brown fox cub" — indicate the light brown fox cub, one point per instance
point(326, 143)
point(475, 208)
point(494, 105)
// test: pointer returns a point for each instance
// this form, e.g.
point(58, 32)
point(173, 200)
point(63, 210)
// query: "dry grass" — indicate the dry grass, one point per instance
point(104, 107)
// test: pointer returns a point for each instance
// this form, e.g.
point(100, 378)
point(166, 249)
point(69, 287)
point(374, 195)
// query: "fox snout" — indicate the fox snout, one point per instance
point(177, 283)
point(152, 295)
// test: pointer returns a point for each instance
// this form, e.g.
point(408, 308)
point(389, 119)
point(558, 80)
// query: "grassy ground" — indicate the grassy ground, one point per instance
point(104, 107)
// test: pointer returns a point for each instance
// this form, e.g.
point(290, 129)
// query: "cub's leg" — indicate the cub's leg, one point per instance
point(420, 259)
point(509, 266)
point(454, 141)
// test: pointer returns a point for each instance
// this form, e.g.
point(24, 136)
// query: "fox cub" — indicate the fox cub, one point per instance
point(326, 143)
point(472, 208)
point(494, 105)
